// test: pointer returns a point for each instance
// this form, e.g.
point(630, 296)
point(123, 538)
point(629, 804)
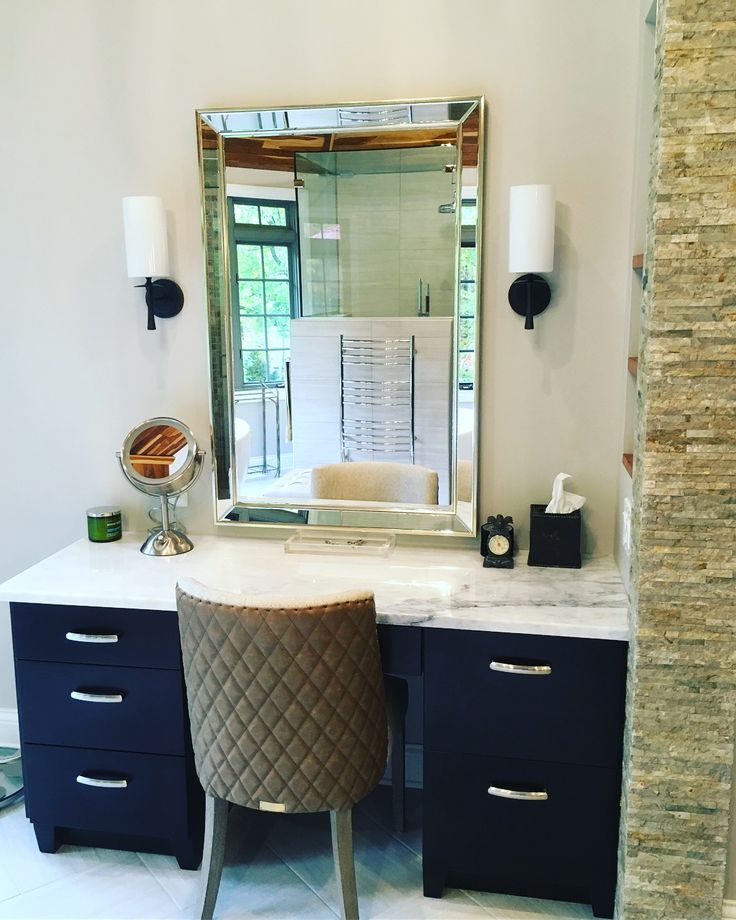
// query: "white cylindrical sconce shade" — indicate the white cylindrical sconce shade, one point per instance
point(146, 240)
point(531, 228)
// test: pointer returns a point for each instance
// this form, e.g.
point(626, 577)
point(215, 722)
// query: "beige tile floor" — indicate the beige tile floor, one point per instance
point(277, 867)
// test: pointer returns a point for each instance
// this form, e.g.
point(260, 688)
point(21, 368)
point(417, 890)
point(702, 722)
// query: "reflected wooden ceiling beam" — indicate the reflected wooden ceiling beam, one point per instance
point(159, 441)
point(277, 151)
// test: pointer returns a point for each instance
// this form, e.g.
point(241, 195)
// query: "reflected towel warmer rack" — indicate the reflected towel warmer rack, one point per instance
point(376, 397)
point(268, 394)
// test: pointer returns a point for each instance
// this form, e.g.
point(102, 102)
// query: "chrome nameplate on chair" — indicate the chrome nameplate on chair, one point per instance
point(271, 806)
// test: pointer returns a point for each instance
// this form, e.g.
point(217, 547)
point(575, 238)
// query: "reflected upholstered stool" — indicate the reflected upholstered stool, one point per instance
point(287, 712)
point(372, 481)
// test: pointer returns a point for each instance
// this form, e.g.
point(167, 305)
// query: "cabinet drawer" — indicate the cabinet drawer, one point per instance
point(149, 717)
point(536, 697)
point(142, 638)
point(562, 846)
point(153, 801)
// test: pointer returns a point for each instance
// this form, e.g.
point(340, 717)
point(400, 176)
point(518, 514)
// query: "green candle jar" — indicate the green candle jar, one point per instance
point(104, 524)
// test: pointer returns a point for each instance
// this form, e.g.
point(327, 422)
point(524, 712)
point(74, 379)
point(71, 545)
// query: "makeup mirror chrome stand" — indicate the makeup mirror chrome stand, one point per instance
point(153, 448)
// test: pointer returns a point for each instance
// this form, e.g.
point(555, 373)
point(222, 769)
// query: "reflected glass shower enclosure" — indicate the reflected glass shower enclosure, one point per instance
point(377, 231)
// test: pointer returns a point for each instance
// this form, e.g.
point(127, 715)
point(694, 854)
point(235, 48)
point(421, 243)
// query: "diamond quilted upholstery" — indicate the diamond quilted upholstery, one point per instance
point(286, 703)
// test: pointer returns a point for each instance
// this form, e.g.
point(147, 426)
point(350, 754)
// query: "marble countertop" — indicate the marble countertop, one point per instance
point(414, 586)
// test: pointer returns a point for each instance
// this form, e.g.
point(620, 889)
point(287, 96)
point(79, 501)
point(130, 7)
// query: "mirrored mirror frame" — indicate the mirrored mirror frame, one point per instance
point(289, 515)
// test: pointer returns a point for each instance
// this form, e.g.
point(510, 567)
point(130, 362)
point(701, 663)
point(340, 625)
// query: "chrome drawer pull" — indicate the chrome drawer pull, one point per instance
point(102, 783)
point(539, 795)
point(96, 697)
point(535, 670)
point(92, 637)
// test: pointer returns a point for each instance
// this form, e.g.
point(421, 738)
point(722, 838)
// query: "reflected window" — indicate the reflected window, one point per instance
point(263, 256)
point(468, 294)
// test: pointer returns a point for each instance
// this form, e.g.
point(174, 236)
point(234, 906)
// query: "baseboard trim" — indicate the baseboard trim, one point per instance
point(729, 910)
point(9, 734)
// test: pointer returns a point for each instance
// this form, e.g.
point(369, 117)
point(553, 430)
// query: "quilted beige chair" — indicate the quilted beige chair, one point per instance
point(287, 712)
point(375, 482)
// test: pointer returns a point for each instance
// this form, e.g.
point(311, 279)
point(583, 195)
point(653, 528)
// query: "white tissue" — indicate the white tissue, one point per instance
point(563, 502)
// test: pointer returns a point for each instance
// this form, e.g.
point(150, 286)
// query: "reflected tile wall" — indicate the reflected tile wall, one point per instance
point(392, 233)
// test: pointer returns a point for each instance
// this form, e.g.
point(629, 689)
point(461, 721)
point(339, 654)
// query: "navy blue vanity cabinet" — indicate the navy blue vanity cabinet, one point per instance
point(523, 744)
point(401, 650)
point(104, 730)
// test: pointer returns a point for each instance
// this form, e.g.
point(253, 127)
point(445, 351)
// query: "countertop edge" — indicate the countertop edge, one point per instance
point(472, 623)
point(451, 591)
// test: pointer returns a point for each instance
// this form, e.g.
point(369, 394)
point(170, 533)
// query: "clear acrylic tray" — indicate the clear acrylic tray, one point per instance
point(349, 544)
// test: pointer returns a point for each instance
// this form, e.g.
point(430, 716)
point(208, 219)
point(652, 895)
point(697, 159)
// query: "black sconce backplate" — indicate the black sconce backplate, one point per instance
point(529, 296)
point(164, 298)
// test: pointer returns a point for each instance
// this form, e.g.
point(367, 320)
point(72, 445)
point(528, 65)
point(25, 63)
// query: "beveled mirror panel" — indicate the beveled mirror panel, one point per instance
point(341, 247)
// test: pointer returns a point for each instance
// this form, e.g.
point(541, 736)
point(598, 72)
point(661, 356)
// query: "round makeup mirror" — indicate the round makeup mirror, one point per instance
point(160, 457)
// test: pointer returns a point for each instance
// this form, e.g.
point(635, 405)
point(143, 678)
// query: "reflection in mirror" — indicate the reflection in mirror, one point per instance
point(343, 292)
point(158, 451)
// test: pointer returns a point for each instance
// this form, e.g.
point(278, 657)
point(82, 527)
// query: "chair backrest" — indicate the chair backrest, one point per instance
point(376, 482)
point(285, 697)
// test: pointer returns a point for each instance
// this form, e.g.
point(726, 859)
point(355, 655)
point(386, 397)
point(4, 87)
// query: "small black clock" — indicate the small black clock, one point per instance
point(497, 542)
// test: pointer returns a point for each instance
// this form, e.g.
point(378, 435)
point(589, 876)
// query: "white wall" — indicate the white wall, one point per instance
point(100, 101)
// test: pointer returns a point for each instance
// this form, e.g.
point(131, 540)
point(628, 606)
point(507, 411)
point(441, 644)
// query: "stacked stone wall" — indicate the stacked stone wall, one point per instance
point(682, 686)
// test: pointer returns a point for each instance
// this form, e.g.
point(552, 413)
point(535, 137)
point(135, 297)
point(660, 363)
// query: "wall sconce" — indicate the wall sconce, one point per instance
point(147, 252)
point(531, 248)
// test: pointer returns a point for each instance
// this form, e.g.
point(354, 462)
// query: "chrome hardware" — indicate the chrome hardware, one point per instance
point(92, 637)
point(102, 783)
point(289, 413)
point(271, 806)
point(96, 697)
point(539, 795)
point(533, 670)
point(376, 373)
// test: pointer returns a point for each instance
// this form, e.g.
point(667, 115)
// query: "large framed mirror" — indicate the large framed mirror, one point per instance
point(343, 284)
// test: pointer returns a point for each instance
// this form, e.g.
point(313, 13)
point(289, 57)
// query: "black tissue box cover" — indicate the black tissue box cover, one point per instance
point(554, 539)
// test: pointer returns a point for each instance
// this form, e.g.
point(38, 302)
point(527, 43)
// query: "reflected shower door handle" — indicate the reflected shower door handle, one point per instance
point(287, 374)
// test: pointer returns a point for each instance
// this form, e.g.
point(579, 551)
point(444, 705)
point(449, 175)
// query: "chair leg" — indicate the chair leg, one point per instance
point(213, 855)
point(342, 850)
point(397, 702)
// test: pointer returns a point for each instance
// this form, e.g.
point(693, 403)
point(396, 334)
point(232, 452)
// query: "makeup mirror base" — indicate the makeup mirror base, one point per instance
point(166, 543)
